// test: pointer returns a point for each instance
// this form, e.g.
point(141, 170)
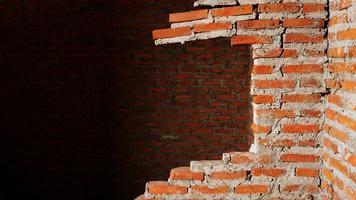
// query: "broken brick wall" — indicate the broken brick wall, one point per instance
point(339, 139)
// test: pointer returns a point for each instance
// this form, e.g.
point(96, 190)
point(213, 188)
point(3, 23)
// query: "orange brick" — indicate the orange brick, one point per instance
point(289, 53)
point(302, 22)
point(314, 53)
point(309, 172)
point(212, 27)
point(251, 189)
point(340, 135)
point(229, 175)
point(161, 187)
point(188, 16)
point(241, 158)
point(210, 190)
point(278, 7)
point(310, 83)
point(352, 52)
point(258, 23)
point(232, 11)
point(311, 113)
point(352, 159)
point(303, 38)
point(300, 128)
point(258, 99)
point(308, 143)
point(277, 143)
point(301, 98)
point(312, 188)
point(184, 173)
point(334, 84)
point(275, 113)
point(268, 172)
point(337, 20)
point(248, 39)
point(311, 7)
point(259, 129)
point(337, 52)
point(347, 34)
point(349, 86)
point(273, 53)
point(262, 69)
point(337, 164)
point(335, 99)
point(351, 192)
point(273, 83)
point(346, 121)
point(338, 67)
point(342, 4)
point(330, 114)
point(299, 158)
point(305, 68)
point(328, 174)
point(327, 143)
point(171, 33)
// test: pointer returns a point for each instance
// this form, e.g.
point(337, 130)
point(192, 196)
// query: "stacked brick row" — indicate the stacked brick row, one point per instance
point(288, 68)
point(339, 158)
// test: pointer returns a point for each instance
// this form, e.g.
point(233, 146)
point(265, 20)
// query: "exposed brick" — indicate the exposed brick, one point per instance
point(311, 113)
point(262, 69)
point(161, 187)
point(300, 128)
point(347, 34)
point(212, 27)
point(170, 33)
point(311, 7)
point(337, 20)
point(251, 189)
point(303, 38)
point(258, 99)
point(275, 172)
point(302, 22)
point(275, 113)
point(188, 16)
point(258, 23)
point(279, 7)
point(260, 129)
point(339, 166)
point(337, 52)
point(299, 158)
point(248, 39)
point(308, 172)
point(310, 83)
point(329, 144)
point(301, 98)
point(335, 99)
point(184, 173)
point(232, 11)
point(313, 188)
point(349, 85)
point(273, 83)
point(210, 190)
point(229, 175)
point(305, 68)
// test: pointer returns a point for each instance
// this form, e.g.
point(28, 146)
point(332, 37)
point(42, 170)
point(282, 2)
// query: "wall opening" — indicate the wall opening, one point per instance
point(181, 103)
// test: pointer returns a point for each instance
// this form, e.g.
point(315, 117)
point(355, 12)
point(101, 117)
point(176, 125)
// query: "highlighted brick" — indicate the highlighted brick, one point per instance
point(248, 39)
point(251, 189)
point(232, 11)
point(188, 16)
point(162, 187)
point(171, 33)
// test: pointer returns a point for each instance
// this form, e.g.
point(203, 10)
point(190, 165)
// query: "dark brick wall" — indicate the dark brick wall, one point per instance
point(92, 109)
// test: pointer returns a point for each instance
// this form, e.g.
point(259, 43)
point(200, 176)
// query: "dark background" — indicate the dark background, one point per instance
point(91, 109)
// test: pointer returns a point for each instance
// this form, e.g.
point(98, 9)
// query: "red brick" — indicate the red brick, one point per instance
point(310, 83)
point(312, 188)
point(251, 189)
point(232, 11)
point(273, 83)
point(347, 34)
point(279, 7)
point(302, 22)
point(262, 69)
point(311, 113)
point(229, 175)
point(303, 38)
point(212, 27)
point(171, 33)
point(161, 187)
point(268, 172)
point(305, 68)
point(210, 190)
point(188, 16)
point(277, 143)
point(335, 99)
point(352, 52)
point(258, 23)
point(184, 173)
point(301, 98)
point(314, 53)
point(249, 39)
point(308, 172)
point(299, 158)
point(300, 128)
point(258, 99)
point(311, 7)
point(260, 129)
